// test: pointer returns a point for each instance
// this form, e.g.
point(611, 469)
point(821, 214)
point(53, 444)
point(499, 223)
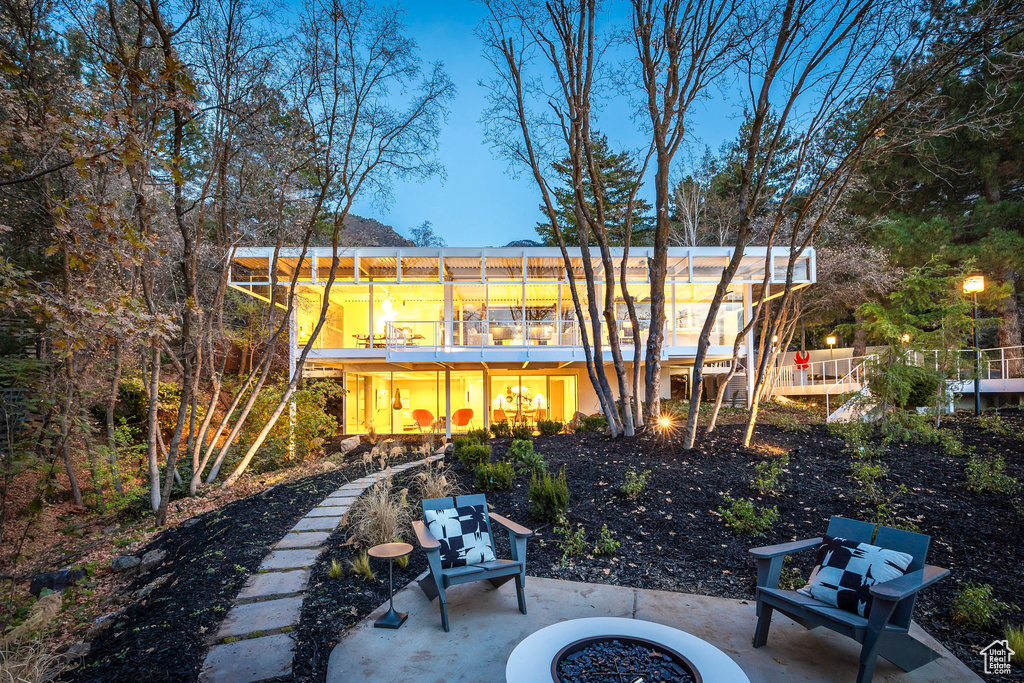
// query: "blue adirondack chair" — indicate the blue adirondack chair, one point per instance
point(497, 571)
point(885, 631)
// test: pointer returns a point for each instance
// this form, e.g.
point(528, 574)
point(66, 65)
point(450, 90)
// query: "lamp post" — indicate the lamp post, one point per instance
point(831, 341)
point(973, 285)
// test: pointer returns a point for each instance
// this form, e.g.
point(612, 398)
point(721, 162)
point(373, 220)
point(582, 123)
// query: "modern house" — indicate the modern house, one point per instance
point(455, 338)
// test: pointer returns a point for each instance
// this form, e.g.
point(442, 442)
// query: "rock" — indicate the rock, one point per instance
point(42, 612)
point(101, 625)
point(150, 587)
point(348, 444)
point(78, 650)
point(55, 581)
point(123, 563)
point(327, 466)
point(109, 530)
point(189, 522)
point(152, 559)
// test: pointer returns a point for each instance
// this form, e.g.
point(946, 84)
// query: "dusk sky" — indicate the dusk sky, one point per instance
point(480, 203)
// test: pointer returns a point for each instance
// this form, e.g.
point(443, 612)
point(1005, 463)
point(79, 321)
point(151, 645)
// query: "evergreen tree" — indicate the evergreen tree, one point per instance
point(618, 173)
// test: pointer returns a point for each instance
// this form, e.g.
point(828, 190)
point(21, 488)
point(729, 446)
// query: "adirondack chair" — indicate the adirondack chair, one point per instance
point(885, 631)
point(498, 571)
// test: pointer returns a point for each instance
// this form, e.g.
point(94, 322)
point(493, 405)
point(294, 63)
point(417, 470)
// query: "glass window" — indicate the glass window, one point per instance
point(420, 268)
point(751, 269)
point(677, 268)
point(344, 273)
point(463, 269)
point(469, 307)
point(250, 270)
point(378, 268)
point(503, 268)
point(545, 268)
point(801, 269)
point(709, 268)
point(527, 398)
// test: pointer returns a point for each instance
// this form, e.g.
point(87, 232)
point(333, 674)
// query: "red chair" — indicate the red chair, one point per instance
point(424, 418)
point(462, 417)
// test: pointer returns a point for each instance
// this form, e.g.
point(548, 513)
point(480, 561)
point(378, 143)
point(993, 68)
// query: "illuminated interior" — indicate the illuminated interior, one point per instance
point(397, 402)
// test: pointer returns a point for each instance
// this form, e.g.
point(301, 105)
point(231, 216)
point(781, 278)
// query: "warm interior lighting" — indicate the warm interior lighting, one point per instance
point(775, 339)
point(386, 305)
point(303, 333)
point(974, 284)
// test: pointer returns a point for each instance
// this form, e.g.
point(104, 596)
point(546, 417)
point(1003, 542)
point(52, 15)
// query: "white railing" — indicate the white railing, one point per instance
point(855, 377)
point(435, 334)
point(820, 373)
point(1006, 362)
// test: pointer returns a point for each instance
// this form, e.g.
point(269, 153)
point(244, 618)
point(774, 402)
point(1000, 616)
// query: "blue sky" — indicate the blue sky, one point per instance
point(480, 203)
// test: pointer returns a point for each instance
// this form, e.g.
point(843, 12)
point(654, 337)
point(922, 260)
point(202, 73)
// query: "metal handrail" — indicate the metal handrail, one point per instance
point(859, 371)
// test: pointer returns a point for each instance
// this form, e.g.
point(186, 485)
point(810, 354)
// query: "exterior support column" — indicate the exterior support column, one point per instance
point(293, 360)
point(447, 403)
point(749, 343)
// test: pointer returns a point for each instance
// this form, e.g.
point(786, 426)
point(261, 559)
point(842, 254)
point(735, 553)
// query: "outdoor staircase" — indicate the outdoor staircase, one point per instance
point(859, 407)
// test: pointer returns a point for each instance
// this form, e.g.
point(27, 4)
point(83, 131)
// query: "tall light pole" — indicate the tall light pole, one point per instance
point(831, 341)
point(973, 285)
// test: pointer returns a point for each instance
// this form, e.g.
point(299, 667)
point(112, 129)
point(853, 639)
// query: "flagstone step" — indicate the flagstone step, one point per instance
point(270, 584)
point(247, 661)
point(261, 616)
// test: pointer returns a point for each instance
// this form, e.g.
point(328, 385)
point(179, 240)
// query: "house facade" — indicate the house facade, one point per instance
point(454, 338)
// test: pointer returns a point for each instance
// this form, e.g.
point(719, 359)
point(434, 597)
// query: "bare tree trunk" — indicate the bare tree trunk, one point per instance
point(153, 425)
point(115, 388)
point(65, 433)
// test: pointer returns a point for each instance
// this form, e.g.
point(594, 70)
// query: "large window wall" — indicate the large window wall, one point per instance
point(517, 397)
point(399, 402)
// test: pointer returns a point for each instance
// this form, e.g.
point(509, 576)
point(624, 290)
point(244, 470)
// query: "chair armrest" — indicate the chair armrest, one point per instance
point(770, 551)
point(516, 529)
point(903, 587)
point(424, 537)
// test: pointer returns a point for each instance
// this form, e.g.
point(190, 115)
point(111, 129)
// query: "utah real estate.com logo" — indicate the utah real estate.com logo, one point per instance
point(997, 657)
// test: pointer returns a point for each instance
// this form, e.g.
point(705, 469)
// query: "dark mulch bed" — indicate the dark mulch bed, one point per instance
point(332, 606)
point(673, 537)
point(165, 636)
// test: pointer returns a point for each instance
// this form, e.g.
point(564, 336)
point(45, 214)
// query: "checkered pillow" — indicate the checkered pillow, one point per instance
point(462, 532)
point(845, 571)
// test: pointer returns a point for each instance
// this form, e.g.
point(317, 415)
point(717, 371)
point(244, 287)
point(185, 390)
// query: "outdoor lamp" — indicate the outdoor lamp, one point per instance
point(775, 339)
point(831, 341)
point(973, 285)
point(905, 338)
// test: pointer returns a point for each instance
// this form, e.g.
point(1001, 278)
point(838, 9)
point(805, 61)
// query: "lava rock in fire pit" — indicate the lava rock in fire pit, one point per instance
point(614, 660)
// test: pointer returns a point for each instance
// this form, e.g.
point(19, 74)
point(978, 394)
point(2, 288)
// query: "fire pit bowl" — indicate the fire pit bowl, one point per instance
point(536, 659)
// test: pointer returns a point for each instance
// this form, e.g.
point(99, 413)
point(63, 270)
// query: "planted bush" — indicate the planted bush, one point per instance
point(768, 475)
point(974, 606)
point(574, 541)
point(743, 517)
point(474, 455)
point(592, 423)
point(381, 515)
point(478, 435)
point(436, 481)
point(1015, 639)
point(501, 430)
point(606, 543)
point(522, 432)
point(494, 476)
point(549, 495)
point(523, 456)
point(635, 482)
point(988, 474)
point(549, 427)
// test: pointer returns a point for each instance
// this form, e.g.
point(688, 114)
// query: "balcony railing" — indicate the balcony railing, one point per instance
point(437, 334)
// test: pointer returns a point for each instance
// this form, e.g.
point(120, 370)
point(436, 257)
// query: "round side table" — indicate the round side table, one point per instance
point(390, 552)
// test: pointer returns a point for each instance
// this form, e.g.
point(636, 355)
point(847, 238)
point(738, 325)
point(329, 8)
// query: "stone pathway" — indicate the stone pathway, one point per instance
point(253, 641)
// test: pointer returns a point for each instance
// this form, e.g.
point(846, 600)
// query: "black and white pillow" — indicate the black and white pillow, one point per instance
point(462, 532)
point(845, 571)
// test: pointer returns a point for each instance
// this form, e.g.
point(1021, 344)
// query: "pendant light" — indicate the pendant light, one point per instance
point(397, 405)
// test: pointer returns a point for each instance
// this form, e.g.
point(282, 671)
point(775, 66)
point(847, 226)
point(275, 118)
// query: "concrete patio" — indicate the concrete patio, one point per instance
point(486, 626)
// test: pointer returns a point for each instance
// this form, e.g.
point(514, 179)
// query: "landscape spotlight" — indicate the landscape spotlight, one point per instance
point(665, 421)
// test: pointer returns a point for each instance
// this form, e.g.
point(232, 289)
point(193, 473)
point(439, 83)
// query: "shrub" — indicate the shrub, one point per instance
point(478, 435)
point(436, 481)
point(549, 495)
point(549, 427)
point(768, 475)
point(475, 455)
point(606, 543)
point(742, 517)
point(789, 423)
point(335, 570)
point(361, 567)
point(495, 476)
point(381, 515)
point(523, 456)
point(975, 607)
point(635, 482)
point(988, 474)
point(501, 430)
point(460, 442)
point(593, 423)
point(574, 542)
point(1015, 639)
point(522, 432)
